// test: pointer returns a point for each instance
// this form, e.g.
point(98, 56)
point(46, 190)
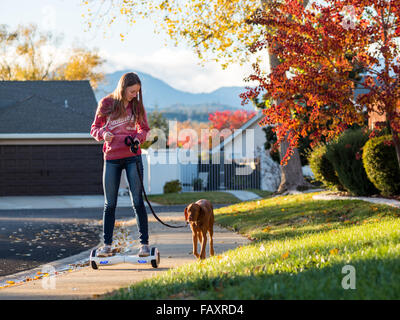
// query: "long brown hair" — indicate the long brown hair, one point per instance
point(117, 109)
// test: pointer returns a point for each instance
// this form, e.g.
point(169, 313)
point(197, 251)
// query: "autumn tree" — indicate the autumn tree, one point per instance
point(189, 134)
point(81, 65)
point(24, 55)
point(215, 30)
point(230, 119)
point(291, 171)
point(319, 48)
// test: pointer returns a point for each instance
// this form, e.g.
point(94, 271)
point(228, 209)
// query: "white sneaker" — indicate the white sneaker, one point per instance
point(144, 251)
point(104, 251)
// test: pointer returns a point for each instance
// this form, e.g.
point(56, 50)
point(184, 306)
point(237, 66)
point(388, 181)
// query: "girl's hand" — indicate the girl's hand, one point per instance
point(108, 136)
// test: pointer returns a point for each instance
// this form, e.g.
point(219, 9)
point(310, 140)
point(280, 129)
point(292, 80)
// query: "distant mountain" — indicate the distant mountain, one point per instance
point(158, 93)
point(198, 113)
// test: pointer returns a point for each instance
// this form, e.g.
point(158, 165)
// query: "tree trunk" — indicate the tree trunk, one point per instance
point(291, 174)
point(396, 142)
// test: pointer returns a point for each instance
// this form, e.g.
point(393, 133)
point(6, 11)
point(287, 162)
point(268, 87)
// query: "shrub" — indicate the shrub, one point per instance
point(173, 186)
point(322, 168)
point(380, 163)
point(197, 184)
point(346, 157)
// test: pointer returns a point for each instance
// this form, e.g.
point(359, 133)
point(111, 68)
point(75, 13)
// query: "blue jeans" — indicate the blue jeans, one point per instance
point(111, 181)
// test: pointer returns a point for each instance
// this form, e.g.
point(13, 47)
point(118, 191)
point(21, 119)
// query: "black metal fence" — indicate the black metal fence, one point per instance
point(237, 175)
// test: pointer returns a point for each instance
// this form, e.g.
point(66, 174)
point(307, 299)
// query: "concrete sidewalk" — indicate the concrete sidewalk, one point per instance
point(82, 282)
point(244, 195)
point(329, 196)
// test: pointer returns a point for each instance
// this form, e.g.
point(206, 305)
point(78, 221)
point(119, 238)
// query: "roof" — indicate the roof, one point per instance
point(46, 106)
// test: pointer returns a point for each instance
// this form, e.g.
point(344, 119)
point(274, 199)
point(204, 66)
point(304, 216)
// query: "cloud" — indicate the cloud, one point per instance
point(49, 18)
point(179, 68)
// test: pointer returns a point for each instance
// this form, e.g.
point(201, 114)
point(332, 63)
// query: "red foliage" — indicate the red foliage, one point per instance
point(311, 91)
point(230, 120)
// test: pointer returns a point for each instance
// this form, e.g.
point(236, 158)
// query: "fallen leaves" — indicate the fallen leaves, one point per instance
point(267, 229)
point(334, 251)
point(285, 255)
point(35, 241)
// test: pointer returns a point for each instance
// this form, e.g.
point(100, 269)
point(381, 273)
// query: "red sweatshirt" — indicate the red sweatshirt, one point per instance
point(120, 128)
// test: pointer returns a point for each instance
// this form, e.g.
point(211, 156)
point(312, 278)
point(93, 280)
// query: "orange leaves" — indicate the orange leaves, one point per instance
point(285, 255)
point(266, 229)
point(334, 251)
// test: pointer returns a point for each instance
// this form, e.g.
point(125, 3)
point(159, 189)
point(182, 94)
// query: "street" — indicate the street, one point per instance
point(29, 238)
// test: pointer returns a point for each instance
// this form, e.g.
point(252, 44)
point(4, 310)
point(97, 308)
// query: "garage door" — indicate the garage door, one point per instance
point(50, 170)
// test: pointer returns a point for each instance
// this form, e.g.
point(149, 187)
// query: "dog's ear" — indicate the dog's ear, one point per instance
point(201, 212)
point(186, 215)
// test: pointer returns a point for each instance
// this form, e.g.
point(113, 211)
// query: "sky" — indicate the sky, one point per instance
point(142, 50)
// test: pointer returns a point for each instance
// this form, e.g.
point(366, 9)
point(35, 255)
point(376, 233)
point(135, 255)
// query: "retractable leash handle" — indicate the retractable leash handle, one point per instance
point(134, 145)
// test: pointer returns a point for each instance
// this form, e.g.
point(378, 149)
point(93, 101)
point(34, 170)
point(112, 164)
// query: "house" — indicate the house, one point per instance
point(238, 162)
point(45, 145)
point(373, 115)
point(244, 162)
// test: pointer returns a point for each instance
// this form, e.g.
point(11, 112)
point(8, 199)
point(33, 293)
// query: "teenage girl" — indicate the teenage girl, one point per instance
point(118, 115)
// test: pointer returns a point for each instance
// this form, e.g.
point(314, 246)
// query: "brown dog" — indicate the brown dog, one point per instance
point(200, 215)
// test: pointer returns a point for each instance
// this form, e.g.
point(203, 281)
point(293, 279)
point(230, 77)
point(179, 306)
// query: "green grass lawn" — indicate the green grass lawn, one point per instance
point(299, 250)
point(188, 197)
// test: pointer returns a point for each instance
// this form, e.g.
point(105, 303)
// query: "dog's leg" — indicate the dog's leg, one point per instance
point(203, 245)
point(194, 240)
point(200, 238)
point(211, 232)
